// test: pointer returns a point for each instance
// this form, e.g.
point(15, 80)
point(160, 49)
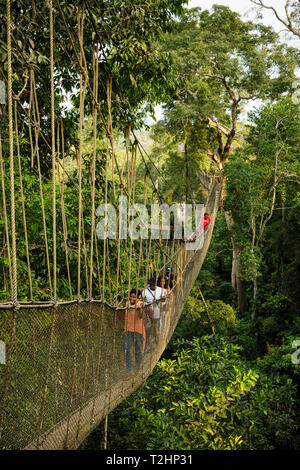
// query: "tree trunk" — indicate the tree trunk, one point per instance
point(236, 280)
point(156, 181)
point(186, 173)
point(253, 314)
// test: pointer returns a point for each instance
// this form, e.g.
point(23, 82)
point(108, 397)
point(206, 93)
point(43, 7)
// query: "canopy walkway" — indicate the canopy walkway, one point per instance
point(64, 367)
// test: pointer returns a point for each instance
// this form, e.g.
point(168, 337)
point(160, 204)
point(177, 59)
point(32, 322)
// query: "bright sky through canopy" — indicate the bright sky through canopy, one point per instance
point(247, 9)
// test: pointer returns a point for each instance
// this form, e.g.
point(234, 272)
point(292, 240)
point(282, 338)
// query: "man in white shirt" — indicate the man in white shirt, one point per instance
point(152, 294)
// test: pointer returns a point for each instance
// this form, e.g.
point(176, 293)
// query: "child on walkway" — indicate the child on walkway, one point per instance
point(134, 331)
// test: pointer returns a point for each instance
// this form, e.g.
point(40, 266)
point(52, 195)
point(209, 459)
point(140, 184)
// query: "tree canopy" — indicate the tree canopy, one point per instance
point(224, 63)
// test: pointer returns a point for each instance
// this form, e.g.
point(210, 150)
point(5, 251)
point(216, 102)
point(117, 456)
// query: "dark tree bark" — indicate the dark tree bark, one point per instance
point(236, 280)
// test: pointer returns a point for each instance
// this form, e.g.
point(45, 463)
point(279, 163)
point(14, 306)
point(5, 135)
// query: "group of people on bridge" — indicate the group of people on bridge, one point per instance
point(143, 315)
point(143, 312)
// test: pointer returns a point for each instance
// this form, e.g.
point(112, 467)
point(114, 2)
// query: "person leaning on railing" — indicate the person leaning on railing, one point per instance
point(134, 330)
point(152, 294)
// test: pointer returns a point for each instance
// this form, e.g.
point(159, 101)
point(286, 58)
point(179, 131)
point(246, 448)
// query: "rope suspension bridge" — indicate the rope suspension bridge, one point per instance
point(64, 367)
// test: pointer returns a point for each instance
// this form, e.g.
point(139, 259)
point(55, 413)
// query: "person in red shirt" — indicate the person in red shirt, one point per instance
point(134, 330)
point(206, 221)
point(200, 232)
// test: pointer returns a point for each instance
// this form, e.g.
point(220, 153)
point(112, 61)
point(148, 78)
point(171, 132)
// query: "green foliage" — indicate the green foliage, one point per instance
point(198, 320)
point(245, 335)
point(207, 397)
point(278, 361)
point(222, 63)
point(127, 31)
point(213, 312)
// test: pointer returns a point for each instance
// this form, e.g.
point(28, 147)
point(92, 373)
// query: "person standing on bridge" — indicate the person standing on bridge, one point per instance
point(206, 222)
point(169, 278)
point(153, 294)
point(134, 331)
point(162, 283)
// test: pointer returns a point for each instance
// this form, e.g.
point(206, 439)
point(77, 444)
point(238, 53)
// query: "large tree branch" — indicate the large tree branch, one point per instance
point(287, 23)
point(214, 158)
point(223, 80)
point(212, 123)
point(229, 91)
point(221, 146)
point(224, 150)
point(250, 97)
point(231, 135)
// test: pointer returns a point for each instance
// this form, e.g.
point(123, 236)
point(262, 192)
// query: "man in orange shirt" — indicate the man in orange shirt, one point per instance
point(134, 331)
